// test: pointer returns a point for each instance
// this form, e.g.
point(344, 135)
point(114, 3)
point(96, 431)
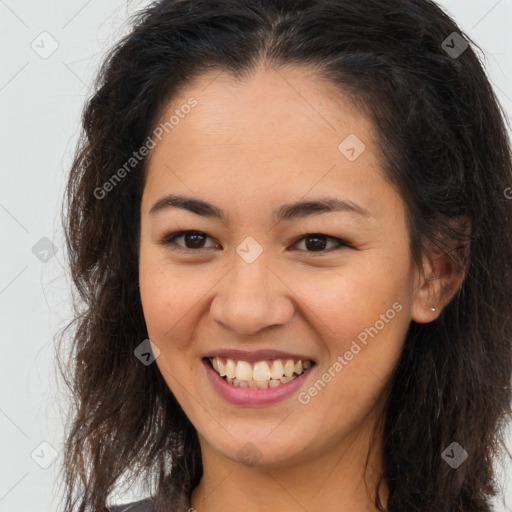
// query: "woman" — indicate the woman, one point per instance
point(289, 227)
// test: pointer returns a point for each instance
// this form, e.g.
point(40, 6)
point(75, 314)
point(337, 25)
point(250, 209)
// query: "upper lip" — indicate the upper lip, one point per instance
point(256, 355)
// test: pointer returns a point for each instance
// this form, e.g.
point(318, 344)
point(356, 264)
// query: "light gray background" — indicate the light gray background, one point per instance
point(41, 101)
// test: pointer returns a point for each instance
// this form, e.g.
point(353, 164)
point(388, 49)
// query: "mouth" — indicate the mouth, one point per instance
point(267, 373)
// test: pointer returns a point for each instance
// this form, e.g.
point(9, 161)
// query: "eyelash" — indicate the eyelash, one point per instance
point(169, 240)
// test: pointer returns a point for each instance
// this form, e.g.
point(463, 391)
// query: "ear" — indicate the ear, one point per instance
point(444, 268)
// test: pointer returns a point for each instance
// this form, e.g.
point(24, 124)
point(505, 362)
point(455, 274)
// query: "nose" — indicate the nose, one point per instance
point(251, 297)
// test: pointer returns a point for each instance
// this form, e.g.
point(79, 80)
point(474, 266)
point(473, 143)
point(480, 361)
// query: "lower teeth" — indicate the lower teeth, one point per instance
point(261, 384)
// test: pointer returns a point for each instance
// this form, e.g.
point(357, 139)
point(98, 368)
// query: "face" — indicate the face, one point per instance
point(333, 289)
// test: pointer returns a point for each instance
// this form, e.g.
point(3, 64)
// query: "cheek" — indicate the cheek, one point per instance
point(166, 297)
point(361, 315)
point(167, 301)
point(351, 298)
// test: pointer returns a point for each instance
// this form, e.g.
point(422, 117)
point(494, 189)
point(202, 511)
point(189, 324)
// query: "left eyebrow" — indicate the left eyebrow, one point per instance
point(288, 212)
point(303, 209)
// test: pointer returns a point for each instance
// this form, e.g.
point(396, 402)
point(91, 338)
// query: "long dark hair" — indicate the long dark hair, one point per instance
point(445, 147)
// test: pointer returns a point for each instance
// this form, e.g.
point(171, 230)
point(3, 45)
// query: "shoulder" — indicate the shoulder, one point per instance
point(145, 505)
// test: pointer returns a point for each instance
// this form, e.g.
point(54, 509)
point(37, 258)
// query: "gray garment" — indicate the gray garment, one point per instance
point(146, 505)
point(149, 505)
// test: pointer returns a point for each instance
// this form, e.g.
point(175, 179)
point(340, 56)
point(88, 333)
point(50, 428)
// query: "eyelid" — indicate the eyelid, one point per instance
point(168, 239)
point(341, 243)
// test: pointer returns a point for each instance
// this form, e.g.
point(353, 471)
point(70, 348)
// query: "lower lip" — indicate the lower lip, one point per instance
point(253, 396)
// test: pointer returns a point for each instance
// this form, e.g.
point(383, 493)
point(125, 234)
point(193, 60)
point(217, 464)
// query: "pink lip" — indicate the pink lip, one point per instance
point(253, 396)
point(256, 355)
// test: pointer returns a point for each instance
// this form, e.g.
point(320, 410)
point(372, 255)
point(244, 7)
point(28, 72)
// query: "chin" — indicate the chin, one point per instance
point(259, 451)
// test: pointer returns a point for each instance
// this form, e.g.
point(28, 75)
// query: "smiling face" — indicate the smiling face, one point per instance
point(249, 280)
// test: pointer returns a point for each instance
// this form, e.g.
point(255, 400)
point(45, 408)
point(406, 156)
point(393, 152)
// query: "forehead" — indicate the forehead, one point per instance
point(280, 133)
point(291, 102)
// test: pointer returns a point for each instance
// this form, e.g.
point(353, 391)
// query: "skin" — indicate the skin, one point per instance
point(249, 147)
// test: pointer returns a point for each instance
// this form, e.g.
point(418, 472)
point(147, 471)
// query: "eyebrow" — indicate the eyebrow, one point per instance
point(288, 212)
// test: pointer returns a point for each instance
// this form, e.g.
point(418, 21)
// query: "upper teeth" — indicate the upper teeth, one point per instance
point(261, 371)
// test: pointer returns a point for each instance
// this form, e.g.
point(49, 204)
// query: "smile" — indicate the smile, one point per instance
point(260, 374)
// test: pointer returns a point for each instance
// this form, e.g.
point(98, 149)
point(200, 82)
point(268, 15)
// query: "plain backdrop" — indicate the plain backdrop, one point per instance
point(50, 51)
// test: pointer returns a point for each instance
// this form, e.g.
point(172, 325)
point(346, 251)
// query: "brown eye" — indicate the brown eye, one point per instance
point(317, 242)
point(193, 240)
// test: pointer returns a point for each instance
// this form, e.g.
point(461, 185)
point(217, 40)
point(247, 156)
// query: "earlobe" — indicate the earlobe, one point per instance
point(426, 305)
point(438, 281)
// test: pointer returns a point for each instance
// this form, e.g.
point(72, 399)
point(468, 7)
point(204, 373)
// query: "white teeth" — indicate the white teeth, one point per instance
point(261, 371)
point(289, 366)
point(240, 383)
point(243, 371)
point(277, 371)
point(260, 384)
point(262, 374)
point(230, 368)
point(221, 368)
